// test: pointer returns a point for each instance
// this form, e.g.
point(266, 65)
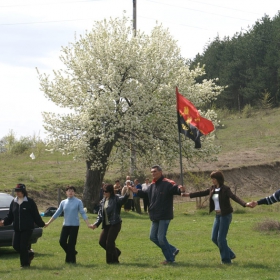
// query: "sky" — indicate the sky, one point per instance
point(32, 33)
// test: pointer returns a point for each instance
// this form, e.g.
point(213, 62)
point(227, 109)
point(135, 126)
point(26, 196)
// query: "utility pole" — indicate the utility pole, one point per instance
point(132, 149)
point(134, 16)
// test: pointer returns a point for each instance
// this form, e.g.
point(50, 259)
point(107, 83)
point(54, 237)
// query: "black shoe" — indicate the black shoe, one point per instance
point(71, 262)
point(119, 252)
point(115, 262)
point(233, 257)
point(25, 266)
point(30, 256)
point(176, 252)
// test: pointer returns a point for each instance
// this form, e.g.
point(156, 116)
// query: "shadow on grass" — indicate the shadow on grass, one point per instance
point(60, 266)
point(134, 215)
point(256, 265)
point(8, 253)
point(44, 254)
point(251, 265)
point(158, 264)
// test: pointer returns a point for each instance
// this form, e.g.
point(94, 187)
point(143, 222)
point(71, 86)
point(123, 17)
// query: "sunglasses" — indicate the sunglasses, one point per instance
point(106, 191)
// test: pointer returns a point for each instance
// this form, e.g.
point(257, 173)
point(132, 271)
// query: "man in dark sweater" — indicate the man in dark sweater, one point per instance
point(160, 194)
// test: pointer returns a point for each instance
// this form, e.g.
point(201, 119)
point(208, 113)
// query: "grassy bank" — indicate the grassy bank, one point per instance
point(259, 131)
point(257, 252)
point(237, 133)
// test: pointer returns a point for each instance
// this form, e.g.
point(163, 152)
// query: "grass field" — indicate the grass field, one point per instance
point(258, 253)
point(257, 131)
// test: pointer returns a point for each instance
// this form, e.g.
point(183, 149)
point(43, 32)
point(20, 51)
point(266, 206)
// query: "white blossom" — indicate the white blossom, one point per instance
point(121, 87)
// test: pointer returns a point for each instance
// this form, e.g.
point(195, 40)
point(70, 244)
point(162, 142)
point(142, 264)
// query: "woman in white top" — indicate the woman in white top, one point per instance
point(219, 201)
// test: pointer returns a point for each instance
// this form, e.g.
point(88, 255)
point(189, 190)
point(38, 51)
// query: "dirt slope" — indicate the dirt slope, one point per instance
point(246, 174)
point(254, 180)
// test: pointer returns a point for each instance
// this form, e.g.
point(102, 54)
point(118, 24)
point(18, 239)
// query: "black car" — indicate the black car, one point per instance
point(6, 232)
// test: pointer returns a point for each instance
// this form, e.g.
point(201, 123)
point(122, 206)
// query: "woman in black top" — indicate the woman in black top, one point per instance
point(109, 216)
point(23, 213)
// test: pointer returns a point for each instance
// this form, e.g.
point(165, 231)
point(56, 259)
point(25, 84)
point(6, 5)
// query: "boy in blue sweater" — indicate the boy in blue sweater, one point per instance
point(71, 206)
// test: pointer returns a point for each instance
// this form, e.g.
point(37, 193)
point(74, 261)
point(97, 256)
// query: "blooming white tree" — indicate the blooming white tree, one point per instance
point(121, 92)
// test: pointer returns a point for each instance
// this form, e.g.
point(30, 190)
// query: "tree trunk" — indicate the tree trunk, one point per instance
point(94, 178)
point(91, 193)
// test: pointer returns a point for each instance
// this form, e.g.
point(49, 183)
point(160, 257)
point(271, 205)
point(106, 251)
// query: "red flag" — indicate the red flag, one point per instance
point(191, 116)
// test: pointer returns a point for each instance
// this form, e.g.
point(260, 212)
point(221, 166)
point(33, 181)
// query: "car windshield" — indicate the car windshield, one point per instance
point(5, 200)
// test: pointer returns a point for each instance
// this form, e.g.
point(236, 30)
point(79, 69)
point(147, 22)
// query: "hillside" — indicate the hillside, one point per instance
point(250, 154)
point(249, 157)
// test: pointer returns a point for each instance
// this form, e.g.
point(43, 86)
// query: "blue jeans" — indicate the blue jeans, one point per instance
point(158, 236)
point(219, 236)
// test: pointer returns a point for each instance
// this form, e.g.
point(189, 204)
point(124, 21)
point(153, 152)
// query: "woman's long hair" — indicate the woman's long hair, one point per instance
point(219, 176)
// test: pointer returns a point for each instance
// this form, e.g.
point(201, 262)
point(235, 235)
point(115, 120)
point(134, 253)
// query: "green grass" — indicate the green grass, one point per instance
point(257, 253)
point(259, 132)
point(46, 172)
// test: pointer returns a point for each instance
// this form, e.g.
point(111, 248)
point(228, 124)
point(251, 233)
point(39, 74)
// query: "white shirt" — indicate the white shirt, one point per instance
point(215, 198)
point(145, 186)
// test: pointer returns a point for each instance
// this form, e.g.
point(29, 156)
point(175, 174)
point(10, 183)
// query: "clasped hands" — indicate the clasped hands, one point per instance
point(251, 204)
point(92, 226)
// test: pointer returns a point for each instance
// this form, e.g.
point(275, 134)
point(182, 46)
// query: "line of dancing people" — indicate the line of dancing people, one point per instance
point(23, 213)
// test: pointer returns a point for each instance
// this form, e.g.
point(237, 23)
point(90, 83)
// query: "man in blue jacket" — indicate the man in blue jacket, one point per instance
point(160, 194)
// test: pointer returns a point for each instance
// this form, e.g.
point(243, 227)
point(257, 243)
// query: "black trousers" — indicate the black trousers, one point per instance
point(21, 243)
point(146, 204)
point(68, 240)
point(107, 240)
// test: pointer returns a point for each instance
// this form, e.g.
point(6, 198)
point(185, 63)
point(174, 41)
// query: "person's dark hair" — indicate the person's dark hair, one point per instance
point(117, 181)
point(24, 192)
point(21, 188)
point(157, 167)
point(219, 176)
point(110, 189)
point(70, 188)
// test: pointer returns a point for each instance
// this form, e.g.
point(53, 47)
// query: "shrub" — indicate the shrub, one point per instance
point(247, 111)
point(268, 226)
point(21, 146)
point(266, 101)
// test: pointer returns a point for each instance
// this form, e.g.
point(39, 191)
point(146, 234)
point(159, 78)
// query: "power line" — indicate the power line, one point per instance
point(42, 22)
point(48, 4)
point(213, 5)
point(191, 26)
point(197, 10)
point(90, 1)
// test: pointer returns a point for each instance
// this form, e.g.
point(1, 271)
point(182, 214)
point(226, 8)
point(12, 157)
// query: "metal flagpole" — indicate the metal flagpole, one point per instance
point(180, 148)
point(181, 163)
